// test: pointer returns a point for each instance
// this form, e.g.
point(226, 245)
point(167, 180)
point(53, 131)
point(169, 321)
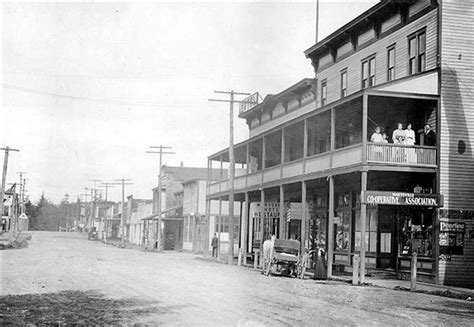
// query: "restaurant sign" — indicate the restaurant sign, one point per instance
point(402, 199)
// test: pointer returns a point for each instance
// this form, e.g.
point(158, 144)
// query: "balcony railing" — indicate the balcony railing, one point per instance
point(401, 154)
point(383, 153)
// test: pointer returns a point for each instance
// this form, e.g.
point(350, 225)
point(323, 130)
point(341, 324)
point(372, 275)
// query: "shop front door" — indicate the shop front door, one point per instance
point(387, 237)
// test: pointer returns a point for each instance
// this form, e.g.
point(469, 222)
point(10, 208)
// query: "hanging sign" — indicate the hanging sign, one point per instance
point(402, 198)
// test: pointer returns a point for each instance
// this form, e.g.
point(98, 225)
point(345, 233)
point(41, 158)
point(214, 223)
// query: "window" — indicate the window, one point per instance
point(343, 83)
point(417, 53)
point(368, 72)
point(391, 63)
point(323, 93)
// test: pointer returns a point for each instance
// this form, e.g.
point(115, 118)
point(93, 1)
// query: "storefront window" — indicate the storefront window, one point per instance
point(416, 232)
point(343, 223)
point(318, 222)
point(370, 230)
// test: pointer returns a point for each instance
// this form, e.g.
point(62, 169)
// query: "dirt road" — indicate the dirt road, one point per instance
point(63, 278)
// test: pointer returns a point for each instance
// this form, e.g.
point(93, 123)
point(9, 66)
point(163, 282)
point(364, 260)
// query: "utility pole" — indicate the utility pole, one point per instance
point(161, 152)
point(232, 163)
point(85, 195)
point(22, 191)
point(317, 21)
point(106, 186)
point(4, 176)
point(122, 220)
point(93, 199)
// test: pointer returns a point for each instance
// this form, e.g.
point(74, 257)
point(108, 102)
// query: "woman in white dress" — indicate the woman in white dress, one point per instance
point(410, 140)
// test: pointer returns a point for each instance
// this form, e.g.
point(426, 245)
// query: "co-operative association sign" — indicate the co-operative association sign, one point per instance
point(402, 198)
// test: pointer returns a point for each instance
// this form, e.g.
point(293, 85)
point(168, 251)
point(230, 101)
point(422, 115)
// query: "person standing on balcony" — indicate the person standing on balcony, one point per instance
point(430, 136)
point(409, 135)
point(398, 136)
point(410, 140)
point(376, 136)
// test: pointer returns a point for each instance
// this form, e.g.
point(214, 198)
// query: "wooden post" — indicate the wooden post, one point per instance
point(282, 214)
point(262, 224)
point(355, 269)
point(330, 236)
point(303, 216)
point(363, 218)
point(414, 260)
point(245, 220)
point(219, 223)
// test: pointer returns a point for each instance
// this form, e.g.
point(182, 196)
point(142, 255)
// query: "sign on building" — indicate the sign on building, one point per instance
point(402, 198)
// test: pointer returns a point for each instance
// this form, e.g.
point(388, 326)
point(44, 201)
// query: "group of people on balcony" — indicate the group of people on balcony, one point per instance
point(406, 136)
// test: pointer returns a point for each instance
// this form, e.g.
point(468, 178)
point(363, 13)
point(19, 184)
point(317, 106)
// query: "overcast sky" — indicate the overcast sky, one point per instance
point(87, 87)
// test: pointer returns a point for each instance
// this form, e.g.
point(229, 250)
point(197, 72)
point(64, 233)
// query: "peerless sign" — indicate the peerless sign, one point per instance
point(402, 199)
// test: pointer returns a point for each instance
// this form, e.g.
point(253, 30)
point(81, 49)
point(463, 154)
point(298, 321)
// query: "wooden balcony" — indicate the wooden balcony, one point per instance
point(377, 153)
point(415, 155)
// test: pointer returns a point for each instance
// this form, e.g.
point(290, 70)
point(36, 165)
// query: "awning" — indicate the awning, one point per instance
point(155, 215)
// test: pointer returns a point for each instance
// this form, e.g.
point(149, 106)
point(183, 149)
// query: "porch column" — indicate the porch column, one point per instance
point(333, 136)
point(264, 154)
point(303, 215)
point(365, 114)
point(221, 168)
point(244, 231)
point(219, 226)
point(207, 228)
point(247, 157)
point(282, 214)
point(262, 217)
point(363, 215)
point(330, 236)
point(283, 145)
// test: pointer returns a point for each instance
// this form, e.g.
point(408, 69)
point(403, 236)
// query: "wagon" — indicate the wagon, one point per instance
point(285, 258)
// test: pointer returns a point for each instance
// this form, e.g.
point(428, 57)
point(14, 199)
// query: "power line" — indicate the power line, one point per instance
point(82, 98)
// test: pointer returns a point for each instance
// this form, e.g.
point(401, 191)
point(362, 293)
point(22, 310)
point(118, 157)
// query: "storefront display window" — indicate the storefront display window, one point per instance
point(416, 232)
point(370, 230)
point(318, 222)
point(343, 223)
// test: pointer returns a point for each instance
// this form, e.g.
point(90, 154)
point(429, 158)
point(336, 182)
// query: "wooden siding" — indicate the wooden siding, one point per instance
point(399, 38)
point(418, 6)
point(366, 36)
point(345, 48)
point(391, 22)
point(457, 124)
point(458, 270)
point(457, 104)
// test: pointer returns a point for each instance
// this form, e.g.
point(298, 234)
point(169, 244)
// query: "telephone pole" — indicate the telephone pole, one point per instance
point(123, 181)
point(22, 191)
point(93, 199)
point(161, 152)
point(4, 176)
point(106, 186)
point(232, 162)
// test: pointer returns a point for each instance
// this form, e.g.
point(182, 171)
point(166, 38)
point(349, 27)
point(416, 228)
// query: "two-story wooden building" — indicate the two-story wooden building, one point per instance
point(321, 171)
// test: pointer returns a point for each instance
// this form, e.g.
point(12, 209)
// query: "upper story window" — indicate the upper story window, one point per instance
point(391, 63)
point(417, 52)
point(324, 90)
point(368, 72)
point(344, 83)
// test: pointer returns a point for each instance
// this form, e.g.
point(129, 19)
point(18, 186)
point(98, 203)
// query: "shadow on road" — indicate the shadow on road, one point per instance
point(76, 307)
